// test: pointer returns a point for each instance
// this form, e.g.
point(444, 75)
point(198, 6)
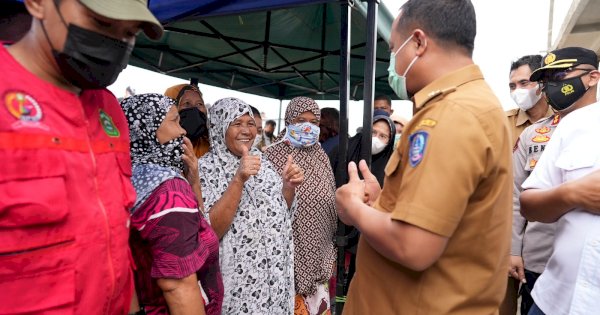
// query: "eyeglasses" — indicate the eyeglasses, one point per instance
point(560, 75)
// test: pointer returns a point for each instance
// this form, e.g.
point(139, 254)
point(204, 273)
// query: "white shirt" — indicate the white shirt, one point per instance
point(571, 282)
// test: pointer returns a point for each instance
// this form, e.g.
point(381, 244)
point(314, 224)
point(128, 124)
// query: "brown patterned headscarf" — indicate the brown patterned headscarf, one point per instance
point(315, 221)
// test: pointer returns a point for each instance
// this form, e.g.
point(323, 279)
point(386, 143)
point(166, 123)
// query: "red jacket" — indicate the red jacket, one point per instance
point(65, 192)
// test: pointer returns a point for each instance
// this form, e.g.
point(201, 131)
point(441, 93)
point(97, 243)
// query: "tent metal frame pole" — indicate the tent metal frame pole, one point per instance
point(340, 172)
point(279, 118)
point(369, 87)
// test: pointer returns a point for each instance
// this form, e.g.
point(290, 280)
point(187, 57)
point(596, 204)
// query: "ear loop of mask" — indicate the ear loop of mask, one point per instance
point(412, 63)
point(403, 44)
point(56, 6)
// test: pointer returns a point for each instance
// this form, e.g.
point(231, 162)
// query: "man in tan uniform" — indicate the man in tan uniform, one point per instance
point(436, 239)
point(531, 105)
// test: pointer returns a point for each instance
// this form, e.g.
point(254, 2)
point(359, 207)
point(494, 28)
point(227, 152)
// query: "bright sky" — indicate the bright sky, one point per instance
point(506, 30)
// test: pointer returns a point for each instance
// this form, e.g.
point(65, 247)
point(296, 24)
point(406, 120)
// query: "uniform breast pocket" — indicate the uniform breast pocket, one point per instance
point(576, 164)
point(36, 252)
point(33, 190)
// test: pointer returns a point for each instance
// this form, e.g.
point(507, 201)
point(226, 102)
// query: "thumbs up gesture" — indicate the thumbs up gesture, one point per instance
point(356, 192)
point(249, 165)
point(292, 174)
point(372, 188)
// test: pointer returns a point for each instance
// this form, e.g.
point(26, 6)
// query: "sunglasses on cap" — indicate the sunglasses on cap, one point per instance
point(560, 75)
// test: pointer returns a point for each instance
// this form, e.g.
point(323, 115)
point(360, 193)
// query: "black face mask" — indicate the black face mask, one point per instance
point(562, 94)
point(90, 60)
point(194, 123)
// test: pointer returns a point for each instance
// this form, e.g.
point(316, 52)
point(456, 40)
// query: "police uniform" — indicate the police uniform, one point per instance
point(531, 240)
point(518, 120)
point(451, 176)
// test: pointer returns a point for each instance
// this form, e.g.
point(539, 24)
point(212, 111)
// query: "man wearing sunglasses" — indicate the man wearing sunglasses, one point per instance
point(564, 187)
point(526, 94)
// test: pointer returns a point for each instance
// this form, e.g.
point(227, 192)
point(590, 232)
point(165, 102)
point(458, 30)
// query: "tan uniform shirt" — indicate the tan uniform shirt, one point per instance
point(531, 240)
point(452, 176)
point(518, 120)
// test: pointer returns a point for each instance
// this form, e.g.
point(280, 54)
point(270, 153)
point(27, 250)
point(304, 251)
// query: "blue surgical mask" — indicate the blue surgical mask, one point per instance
point(302, 135)
point(398, 82)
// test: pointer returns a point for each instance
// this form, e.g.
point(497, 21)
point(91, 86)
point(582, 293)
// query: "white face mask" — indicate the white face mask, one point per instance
point(525, 98)
point(377, 146)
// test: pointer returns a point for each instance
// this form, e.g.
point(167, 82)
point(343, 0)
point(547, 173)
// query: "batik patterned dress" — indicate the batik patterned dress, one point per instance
point(257, 250)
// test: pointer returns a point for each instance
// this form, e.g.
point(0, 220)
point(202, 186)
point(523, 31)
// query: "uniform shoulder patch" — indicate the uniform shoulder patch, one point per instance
point(417, 144)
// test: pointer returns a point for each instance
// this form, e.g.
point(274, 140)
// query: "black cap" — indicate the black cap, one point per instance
point(565, 58)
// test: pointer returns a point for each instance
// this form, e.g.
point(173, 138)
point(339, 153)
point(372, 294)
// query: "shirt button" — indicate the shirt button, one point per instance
point(584, 284)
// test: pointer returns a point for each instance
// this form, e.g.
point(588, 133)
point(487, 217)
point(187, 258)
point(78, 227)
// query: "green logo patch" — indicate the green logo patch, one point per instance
point(108, 125)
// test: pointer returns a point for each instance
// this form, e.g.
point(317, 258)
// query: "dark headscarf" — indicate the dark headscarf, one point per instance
point(153, 163)
point(378, 161)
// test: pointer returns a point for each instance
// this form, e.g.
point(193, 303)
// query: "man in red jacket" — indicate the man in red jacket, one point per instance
point(64, 152)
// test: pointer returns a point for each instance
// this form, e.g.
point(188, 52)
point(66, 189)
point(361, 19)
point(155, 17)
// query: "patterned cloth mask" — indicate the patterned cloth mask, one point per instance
point(302, 135)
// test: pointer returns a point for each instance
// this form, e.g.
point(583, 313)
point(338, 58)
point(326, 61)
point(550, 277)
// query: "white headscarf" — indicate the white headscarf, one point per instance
point(257, 251)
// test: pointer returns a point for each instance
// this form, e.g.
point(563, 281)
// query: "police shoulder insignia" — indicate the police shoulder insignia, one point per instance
point(543, 130)
point(555, 120)
point(427, 122)
point(416, 150)
point(108, 125)
point(540, 139)
point(532, 163)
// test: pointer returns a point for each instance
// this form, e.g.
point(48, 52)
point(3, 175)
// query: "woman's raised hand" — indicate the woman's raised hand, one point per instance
point(249, 165)
point(292, 174)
